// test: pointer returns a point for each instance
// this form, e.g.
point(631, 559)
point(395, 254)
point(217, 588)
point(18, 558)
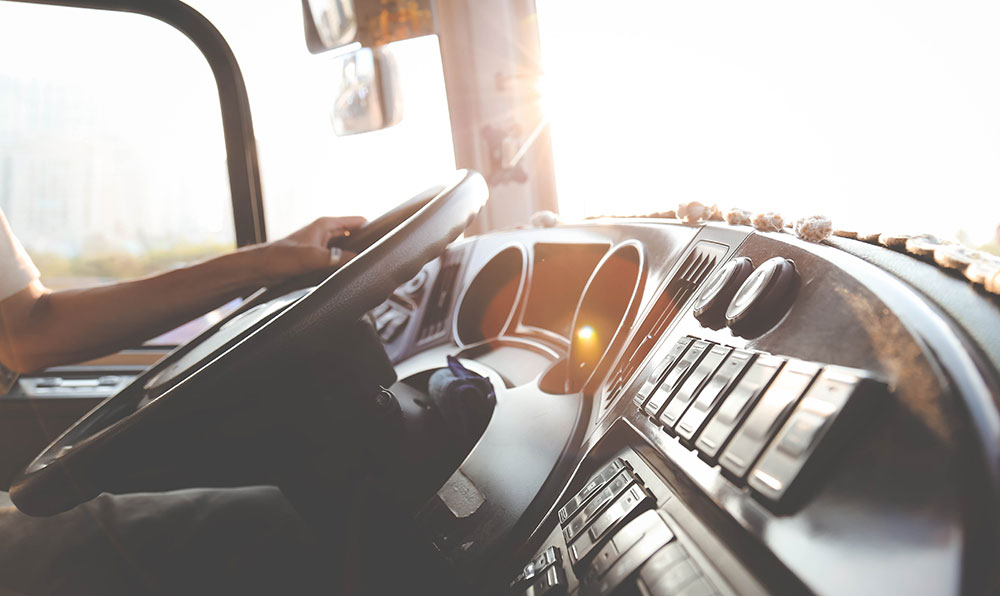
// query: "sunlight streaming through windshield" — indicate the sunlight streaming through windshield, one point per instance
point(882, 115)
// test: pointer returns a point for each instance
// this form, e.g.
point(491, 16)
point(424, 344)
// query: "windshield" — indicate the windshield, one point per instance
point(882, 115)
point(306, 170)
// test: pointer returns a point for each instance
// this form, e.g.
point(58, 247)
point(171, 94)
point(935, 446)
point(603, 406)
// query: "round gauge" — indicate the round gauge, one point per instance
point(486, 307)
point(763, 298)
point(710, 306)
point(604, 312)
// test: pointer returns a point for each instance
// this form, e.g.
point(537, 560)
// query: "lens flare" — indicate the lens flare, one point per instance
point(585, 333)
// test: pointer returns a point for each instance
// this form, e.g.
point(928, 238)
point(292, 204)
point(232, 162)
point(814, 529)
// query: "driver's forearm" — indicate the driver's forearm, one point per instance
point(73, 325)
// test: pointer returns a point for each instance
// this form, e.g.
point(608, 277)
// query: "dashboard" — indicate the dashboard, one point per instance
point(709, 410)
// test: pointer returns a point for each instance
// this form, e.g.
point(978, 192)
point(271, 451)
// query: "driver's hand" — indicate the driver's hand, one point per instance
point(306, 250)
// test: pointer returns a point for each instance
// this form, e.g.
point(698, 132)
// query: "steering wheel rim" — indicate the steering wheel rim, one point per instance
point(69, 471)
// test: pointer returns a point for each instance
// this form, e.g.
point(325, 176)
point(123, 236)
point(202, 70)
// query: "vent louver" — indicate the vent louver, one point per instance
point(685, 281)
point(434, 323)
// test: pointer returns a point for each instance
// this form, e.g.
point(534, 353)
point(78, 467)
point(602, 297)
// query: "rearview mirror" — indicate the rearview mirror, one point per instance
point(368, 98)
point(331, 24)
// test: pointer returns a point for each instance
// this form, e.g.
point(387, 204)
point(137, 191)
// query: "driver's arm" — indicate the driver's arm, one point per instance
point(41, 328)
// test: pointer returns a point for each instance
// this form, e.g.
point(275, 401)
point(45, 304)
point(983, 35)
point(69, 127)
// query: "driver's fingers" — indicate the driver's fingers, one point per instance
point(332, 228)
point(339, 256)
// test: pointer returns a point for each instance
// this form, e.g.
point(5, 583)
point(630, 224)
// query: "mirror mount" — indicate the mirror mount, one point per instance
point(331, 24)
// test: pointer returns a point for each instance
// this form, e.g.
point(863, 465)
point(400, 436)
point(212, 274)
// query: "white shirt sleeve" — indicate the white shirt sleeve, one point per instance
point(16, 269)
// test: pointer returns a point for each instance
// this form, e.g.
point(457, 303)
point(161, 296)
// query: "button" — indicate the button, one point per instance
point(549, 556)
point(48, 382)
point(597, 504)
point(826, 403)
point(689, 389)
point(383, 319)
point(767, 416)
point(736, 405)
point(675, 377)
point(622, 507)
point(801, 433)
point(598, 481)
point(657, 375)
point(608, 571)
point(711, 395)
point(396, 323)
point(604, 559)
point(551, 583)
point(108, 380)
point(632, 501)
point(381, 309)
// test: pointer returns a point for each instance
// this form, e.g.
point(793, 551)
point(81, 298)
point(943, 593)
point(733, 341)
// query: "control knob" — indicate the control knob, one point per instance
point(763, 298)
point(710, 306)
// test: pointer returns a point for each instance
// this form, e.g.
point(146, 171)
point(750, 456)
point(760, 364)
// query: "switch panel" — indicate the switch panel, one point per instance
point(735, 406)
point(675, 377)
point(588, 490)
point(711, 395)
point(593, 508)
point(767, 416)
point(653, 381)
point(676, 407)
point(832, 399)
point(633, 501)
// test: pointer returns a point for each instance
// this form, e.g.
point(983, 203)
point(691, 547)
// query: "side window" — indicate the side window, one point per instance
point(112, 154)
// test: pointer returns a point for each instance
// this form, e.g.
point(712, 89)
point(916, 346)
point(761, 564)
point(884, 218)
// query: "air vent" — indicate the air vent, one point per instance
point(685, 281)
point(435, 319)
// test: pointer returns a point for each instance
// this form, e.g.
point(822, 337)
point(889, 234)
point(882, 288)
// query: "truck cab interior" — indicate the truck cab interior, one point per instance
point(653, 299)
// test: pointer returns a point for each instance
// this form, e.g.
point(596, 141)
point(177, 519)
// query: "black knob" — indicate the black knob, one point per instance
point(710, 306)
point(763, 298)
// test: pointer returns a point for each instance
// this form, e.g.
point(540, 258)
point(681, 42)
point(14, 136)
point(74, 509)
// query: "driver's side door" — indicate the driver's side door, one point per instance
point(112, 166)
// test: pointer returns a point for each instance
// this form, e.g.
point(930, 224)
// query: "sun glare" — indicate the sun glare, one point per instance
point(874, 113)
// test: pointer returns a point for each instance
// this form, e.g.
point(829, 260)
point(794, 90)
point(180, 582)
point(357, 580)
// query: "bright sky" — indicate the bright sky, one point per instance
point(865, 110)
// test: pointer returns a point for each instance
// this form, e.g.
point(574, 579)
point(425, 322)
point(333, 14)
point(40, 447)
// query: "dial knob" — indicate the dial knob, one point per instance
point(763, 298)
point(710, 306)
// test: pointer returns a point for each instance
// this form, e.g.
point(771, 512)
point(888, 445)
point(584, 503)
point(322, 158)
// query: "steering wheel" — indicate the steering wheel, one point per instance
point(103, 450)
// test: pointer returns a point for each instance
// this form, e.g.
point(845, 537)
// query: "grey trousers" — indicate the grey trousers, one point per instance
point(201, 541)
